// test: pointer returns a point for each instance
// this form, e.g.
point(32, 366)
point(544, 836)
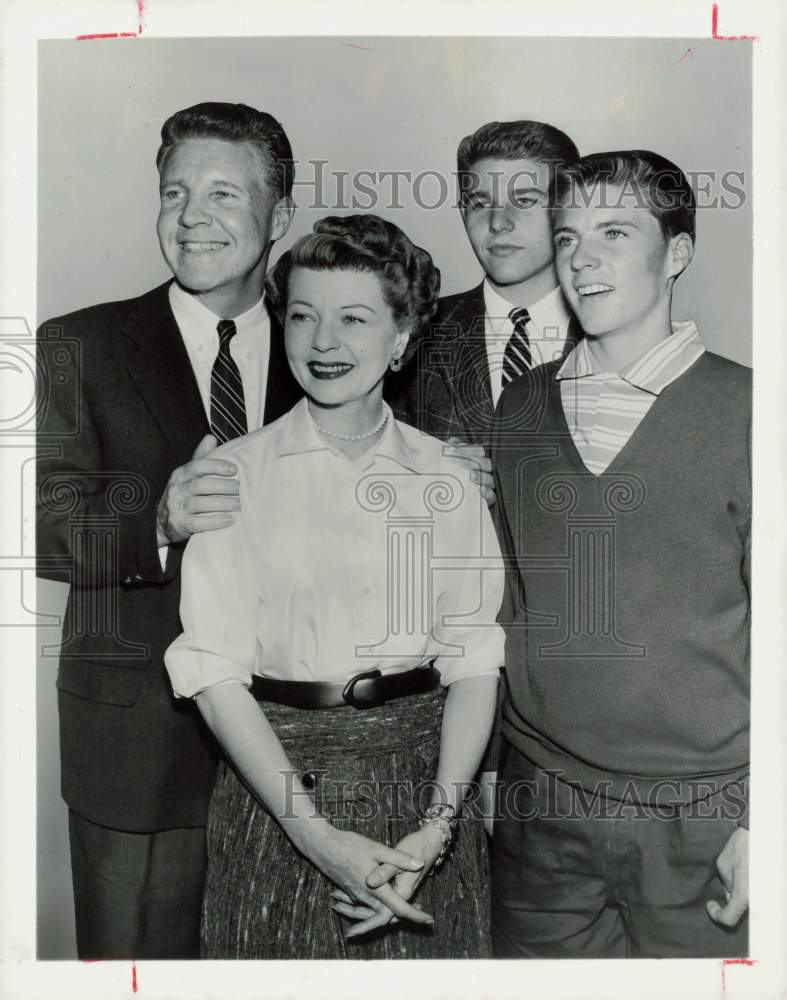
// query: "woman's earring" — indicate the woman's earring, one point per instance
point(395, 364)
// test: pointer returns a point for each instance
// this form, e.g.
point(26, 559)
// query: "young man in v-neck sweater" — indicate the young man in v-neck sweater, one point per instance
point(624, 506)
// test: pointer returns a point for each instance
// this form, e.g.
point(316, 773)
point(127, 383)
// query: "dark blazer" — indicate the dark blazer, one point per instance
point(444, 389)
point(119, 410)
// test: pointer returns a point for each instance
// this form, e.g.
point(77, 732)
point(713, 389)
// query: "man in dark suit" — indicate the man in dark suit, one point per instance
point(134, 397)
point(517, 317)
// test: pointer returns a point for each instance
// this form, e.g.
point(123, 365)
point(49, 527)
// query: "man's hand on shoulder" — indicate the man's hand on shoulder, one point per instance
point(732, 865)
point(479, 464)
point(201, 495)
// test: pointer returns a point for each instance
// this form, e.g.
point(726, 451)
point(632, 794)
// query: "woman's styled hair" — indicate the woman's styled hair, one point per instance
point(235, 123)
point(410, 281)
point(658, 184)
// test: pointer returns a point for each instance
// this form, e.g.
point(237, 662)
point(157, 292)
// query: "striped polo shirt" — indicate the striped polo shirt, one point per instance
point(603, 409)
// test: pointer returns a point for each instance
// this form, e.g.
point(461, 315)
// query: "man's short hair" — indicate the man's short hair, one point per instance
point(234, 123)
point(519, 140)
point(660, 185)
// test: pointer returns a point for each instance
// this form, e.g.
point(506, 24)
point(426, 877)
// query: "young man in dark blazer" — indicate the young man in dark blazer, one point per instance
point(517, 317)
point(134, 397)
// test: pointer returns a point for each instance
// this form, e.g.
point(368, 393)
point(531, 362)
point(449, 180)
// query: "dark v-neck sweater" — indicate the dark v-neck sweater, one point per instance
point(629, 666)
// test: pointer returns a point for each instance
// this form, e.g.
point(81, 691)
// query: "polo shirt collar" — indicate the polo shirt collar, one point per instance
point(652, 372)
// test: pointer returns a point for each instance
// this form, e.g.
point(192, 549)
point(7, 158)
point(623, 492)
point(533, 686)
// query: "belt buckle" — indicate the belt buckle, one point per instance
point(348, 692)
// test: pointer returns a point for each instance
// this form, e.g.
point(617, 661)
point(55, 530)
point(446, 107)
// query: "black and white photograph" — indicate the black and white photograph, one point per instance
point(389, 502)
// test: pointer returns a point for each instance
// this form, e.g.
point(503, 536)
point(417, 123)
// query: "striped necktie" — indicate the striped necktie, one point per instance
point(517, 357)
point(227, 405)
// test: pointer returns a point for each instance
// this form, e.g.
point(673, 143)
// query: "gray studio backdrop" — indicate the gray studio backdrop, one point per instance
point(356, 110)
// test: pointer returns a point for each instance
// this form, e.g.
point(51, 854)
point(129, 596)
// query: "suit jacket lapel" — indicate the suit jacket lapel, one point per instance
point(467, 374)
point(468, 377)
point(162, 373)
point(282, 391)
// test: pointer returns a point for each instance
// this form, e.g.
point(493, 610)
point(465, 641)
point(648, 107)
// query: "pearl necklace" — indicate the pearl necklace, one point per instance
point(354, 437)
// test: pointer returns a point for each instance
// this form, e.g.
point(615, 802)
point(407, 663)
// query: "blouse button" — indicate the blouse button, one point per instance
point(309, 780)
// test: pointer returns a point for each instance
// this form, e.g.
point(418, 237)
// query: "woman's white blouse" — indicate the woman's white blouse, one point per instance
point(334, 567)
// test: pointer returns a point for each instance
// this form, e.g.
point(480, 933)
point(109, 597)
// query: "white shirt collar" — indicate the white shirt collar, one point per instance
point(497, 310)
point(300, 434)
point(654, 370)
point(197, 323)
point(548, 327)
point(549, 311)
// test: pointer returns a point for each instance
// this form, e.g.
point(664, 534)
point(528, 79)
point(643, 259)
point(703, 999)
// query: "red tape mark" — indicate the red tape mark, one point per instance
point(119, 34)
point(732, 961)
point(714, 30)
point(133, 977)
point(114, 34)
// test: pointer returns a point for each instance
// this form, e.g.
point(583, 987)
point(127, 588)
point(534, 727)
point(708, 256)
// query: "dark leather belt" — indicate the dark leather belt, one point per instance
point(367, 690)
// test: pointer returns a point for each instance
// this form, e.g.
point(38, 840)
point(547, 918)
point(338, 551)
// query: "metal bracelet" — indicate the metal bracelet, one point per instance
point(443, 817)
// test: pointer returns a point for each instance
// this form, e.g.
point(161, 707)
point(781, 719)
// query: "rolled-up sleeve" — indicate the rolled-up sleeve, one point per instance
point(218, 610)
point(469, 594)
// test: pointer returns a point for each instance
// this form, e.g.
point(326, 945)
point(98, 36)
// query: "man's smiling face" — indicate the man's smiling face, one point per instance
point(217, 219)
point(614, 263)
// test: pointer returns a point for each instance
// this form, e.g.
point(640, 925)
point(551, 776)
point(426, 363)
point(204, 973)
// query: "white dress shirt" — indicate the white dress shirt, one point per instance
point(250, 348)
point(547, 331)
point(334, 567)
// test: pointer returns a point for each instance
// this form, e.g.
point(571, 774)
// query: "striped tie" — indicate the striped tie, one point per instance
point(517, 357)
point(227, 406)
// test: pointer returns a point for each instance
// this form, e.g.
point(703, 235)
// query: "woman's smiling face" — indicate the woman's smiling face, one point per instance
point(340, 334)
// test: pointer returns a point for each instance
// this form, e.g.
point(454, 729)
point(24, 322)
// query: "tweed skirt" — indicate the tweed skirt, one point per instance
point(373, 770)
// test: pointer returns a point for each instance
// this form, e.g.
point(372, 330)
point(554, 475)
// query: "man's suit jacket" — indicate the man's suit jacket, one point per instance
point(444, 389)
point(119, 411)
